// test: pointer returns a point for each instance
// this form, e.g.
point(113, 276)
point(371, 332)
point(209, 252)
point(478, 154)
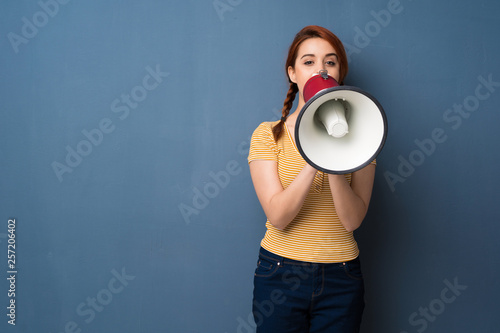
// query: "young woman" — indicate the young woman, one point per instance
point(308, 277)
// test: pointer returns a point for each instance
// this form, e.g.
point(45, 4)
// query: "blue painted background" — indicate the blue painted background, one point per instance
point(125, 129)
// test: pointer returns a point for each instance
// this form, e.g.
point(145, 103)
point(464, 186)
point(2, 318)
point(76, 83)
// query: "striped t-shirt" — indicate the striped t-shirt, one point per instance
point(316, 233)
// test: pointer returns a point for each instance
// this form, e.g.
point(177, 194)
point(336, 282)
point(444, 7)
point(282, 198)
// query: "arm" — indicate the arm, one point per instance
point(351, 202)
point(280, 205)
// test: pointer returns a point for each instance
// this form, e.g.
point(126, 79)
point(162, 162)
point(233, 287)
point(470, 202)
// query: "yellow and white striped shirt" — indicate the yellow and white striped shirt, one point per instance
point(316, 233)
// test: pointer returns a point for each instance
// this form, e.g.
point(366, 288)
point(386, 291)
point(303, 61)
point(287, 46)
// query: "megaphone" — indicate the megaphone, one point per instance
point(340, 129)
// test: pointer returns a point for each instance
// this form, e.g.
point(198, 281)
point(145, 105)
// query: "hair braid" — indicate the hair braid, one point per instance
point(287, 106)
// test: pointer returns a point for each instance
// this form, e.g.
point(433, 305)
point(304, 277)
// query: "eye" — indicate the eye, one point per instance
point(308, 62)
point(330, 63)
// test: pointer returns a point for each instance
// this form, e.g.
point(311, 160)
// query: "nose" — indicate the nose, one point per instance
point(318, 69)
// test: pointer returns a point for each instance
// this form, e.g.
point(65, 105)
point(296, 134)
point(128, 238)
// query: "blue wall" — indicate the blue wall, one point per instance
point(125, 128)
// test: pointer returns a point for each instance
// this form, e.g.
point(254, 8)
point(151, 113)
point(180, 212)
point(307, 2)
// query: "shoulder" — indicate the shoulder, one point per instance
point(263, 145)
point(265, 130)
point(266, 126)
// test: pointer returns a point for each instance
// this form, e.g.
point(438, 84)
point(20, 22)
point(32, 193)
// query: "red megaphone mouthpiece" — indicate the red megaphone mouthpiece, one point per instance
point(317, 83)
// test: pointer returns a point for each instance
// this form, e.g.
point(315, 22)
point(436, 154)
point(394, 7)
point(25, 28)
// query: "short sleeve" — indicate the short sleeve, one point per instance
point(262, 145)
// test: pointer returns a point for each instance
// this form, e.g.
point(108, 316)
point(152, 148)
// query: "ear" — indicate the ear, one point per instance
point(291, 74)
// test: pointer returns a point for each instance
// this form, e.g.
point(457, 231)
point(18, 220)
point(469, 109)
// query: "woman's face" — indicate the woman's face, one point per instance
point(314, 54)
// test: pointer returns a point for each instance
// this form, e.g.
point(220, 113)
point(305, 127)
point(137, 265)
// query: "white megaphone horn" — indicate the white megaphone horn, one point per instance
point(340, 129)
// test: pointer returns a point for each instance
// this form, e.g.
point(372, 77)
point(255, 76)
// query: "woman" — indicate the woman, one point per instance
point(308, 277)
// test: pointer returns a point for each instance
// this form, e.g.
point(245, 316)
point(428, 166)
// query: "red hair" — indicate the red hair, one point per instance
point(311, 31)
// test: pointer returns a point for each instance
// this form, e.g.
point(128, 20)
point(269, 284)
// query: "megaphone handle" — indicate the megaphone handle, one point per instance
point(323, 73)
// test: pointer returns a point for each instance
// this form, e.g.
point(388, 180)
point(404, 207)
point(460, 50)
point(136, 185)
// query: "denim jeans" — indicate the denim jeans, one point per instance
point(296, 296)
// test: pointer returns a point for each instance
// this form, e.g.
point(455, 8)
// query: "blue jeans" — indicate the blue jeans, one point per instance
point(302, 297)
